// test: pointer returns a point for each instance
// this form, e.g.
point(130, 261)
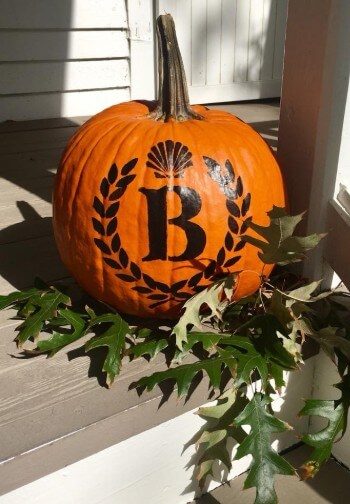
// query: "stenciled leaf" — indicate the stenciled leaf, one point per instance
point(212, 298)
point(336, 412)
point(279, 246)
point(46, 307)
point(114, 339)
point(266, 463)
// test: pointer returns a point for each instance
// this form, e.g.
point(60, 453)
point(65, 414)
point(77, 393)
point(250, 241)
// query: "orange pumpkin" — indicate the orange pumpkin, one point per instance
point(152, 200)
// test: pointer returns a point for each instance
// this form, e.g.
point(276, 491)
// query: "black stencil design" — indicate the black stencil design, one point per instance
point(165, 158)
point(238, 207)
point(169, 159)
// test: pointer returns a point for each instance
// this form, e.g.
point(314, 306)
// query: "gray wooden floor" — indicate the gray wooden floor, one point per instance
point(331, 485)
point(42, 400)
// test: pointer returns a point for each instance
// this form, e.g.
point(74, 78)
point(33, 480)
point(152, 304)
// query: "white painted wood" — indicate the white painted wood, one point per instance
point(268, 39)
point(313, 112)
point(151, 464)
point(214, 30)
point(256, 40)
point(63, 14)
point(228, 23)
point(242, 40)
point(142, 54)
point(52, 48)
point(229, 47)
point(199, 47)
point(68, 76)
point(314, 147)
point(48, 105)
point(63, 45)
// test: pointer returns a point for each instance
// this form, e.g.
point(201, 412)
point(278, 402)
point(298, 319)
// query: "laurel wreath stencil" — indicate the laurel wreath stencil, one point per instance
point(105, 223)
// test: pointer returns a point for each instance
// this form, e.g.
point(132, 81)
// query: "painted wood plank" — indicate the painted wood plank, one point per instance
point(40, 77)
point(268, 39)
point(159, 470)
point(63, 14)
point(213, 61)
point(255, 44)
point(199, 35)
point(63, 45)
point(281, 17)
point(34, 140)
point(39, 124)
point(242, 40)
point(36, 257)
point(60, 104)
point(25, 221)
point(228, 22)
point(141, 39)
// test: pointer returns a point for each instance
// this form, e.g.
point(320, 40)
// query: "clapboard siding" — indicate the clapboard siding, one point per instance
point(62, 14)
point(52, 45)
point(62, 58)
point(74, 103)
point(43, 77)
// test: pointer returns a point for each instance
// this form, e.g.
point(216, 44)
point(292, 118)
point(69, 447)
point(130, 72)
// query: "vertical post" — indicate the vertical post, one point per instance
point(315, 81)
point(142, 51)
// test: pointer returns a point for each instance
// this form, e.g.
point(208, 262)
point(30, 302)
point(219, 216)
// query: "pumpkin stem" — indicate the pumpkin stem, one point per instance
point(173, 100)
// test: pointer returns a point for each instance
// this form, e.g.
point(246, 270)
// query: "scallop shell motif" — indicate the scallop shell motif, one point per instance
point(169, 159)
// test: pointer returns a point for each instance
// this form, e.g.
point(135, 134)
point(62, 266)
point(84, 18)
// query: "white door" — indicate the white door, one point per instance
point(232, 49)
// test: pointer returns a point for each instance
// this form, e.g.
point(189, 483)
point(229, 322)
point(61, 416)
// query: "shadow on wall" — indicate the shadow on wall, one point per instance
point(34, 46)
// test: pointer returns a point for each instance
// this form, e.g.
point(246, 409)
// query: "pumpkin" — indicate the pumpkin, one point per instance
point(152, 200)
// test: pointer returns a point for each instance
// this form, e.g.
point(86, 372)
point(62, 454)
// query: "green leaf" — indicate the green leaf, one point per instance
point(336, 413)
point(224, 403)
point(17, 296)
point(46, 307)
point(208, 340)
point(266, 462)
point(184, 374)
point(60, 340)
point(248, 359)
point(304, 294)
point(329, 338)
point(151, 348)
point(212, 298)
point(267, 330)
point(114, 339)
point(279, 246)
point(217, 453)
point(218, 428)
